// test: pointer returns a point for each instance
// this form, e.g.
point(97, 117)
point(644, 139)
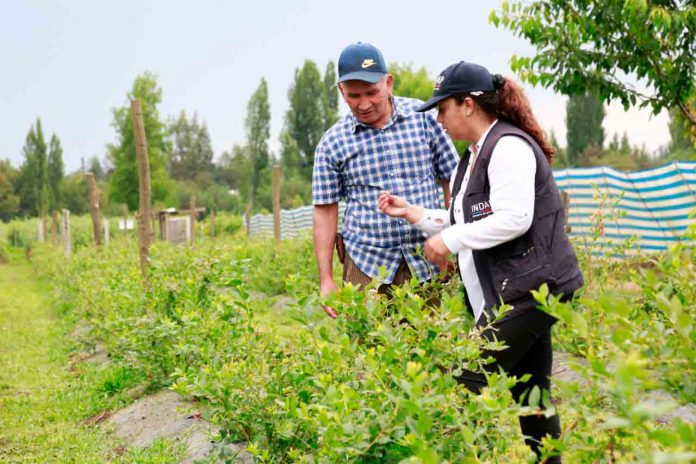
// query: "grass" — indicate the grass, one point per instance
point(43, 403)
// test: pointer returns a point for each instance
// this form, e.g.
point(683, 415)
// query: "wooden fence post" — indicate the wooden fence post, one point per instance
point(194, 214)
point(41, 230)
point(65, 233)
point(54, 228)
point(276, 202)
point(94, 210)
point(125, 221)
point(566, 207)
point(107, 231)
point(144, 216)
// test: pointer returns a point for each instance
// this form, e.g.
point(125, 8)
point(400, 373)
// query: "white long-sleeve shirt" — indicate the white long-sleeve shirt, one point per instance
point(511, 174)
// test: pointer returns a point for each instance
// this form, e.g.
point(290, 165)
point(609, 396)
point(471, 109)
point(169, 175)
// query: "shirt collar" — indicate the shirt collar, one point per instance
point(398, 111)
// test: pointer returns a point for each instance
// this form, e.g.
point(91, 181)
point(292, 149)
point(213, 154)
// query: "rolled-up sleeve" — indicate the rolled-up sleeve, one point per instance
point(445, 156)
point(326, 179)
point(433, 221)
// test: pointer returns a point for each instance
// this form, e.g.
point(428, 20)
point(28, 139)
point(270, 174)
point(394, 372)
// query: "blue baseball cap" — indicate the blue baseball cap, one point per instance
point(459, 78)
point(361, 62)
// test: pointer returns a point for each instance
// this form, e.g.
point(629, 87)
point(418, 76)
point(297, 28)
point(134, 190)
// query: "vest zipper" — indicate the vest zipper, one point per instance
point(505, 282)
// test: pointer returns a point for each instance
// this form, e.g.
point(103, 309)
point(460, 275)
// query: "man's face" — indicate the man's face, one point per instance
point(370, 103)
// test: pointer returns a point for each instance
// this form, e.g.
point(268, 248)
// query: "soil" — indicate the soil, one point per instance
point(166, 415)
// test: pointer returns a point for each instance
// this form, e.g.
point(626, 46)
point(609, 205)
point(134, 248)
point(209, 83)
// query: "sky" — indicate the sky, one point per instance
point(71, 62)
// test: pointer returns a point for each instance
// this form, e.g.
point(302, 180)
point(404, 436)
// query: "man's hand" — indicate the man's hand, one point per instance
point(325, 289)
point(436, 251)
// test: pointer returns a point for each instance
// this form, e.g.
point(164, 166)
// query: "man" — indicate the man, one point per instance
point(384, 144)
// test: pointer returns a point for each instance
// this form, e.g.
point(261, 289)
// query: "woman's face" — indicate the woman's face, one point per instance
point(453, 117)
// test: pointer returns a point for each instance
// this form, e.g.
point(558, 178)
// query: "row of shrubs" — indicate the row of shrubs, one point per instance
point(237, 325)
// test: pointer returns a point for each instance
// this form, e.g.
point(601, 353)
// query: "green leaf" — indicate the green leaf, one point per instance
point(534, 396)
point(493, 18)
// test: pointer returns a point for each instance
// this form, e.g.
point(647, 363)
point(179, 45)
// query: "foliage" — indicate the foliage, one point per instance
point(375, 385)
point(258, 127)
point(587, 46)
point(235, 170)
point(75, 193)
point(635, 347)
point(9, 201)
point(304, 120)
point(683, 134)
point(409, 83)
point(123, 185)
point(225, 224)
point(213, 197)
point(192, 153)
point(32, 184)
point(95, 166)
point(56, 172)
point(584, 115)
point(416, 84)
point(330, 103)
point(43, 404)
point(625, 157)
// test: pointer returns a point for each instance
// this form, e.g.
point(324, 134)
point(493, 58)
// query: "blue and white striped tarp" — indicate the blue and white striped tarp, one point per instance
point(607, 207)
point(654, 206)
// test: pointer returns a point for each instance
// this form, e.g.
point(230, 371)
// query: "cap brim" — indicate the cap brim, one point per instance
point(430, 104)
point(366, 76)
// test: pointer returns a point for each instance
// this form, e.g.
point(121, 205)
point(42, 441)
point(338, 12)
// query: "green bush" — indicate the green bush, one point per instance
point(375, 385)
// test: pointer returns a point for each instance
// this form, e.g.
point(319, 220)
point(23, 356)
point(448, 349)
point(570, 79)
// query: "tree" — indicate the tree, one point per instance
point(584, 116)
point(75, 193)
point(561, 158)
point(416, 84)
point(304, 120)
point(258, 128)
point(409, 83)
point(9, 201)
point(94, 166)
point(683, 134)
point(235, 170)
point(123, 185)
point(330, 102)
point(589, 46)
point(192, 152)
point(56, 172)
point(32, 183)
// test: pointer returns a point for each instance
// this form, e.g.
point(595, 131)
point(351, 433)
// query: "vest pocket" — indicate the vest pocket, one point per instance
point(515, 280)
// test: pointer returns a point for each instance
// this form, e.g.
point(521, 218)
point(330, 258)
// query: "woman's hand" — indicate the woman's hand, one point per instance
point(436, 251)
point(392, 205)
point(395, 206)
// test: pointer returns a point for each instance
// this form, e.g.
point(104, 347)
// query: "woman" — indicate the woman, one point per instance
point(505, 223)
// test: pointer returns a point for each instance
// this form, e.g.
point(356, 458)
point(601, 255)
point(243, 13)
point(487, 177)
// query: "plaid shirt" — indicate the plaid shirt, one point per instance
point(406, 157)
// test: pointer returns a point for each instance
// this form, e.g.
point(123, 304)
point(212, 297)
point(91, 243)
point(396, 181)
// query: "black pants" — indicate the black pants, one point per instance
point(527, 333)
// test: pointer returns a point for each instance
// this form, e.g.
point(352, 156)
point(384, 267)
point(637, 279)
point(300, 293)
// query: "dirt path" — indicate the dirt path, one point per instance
point(42, 404)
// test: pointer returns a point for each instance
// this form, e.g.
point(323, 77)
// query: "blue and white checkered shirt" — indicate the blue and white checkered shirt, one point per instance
point(407, 157)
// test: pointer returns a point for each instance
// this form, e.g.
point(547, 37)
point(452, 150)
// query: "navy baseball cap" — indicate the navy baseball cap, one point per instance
point(459, 78)
point(361, 62)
